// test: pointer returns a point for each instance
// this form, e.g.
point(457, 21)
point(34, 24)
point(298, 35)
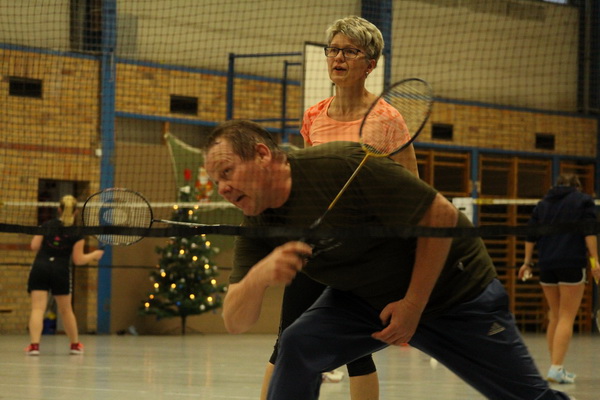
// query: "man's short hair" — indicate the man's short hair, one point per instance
point(243, 135)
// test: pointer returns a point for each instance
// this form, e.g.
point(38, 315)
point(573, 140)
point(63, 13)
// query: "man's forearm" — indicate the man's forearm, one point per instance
point(242, 305)
point(431, 252)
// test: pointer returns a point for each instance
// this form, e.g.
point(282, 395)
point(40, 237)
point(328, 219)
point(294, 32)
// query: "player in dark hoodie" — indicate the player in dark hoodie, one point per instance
point(562, 261)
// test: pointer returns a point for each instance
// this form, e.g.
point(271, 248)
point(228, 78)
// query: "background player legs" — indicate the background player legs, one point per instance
point(266, 380)
point(364, 387)
point(65, 310)
point(564, 302)
point(39, 302)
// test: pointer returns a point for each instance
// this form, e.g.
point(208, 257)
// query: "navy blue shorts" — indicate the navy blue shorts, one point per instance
point(562, 276)
point(297, 298)
point(478, 340)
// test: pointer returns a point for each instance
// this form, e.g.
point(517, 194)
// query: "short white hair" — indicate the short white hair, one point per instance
point(361, 32)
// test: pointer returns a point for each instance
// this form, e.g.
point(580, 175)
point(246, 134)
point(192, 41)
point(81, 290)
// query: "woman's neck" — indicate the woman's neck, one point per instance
point(350, 103)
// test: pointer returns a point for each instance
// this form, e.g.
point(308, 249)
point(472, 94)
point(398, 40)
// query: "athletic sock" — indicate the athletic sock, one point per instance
point(555, 367)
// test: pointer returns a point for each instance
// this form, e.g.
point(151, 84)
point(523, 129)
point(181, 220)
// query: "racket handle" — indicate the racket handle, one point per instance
point(594, 266)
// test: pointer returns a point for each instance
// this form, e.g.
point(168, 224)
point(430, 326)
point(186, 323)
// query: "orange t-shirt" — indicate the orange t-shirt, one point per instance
point(385, 127)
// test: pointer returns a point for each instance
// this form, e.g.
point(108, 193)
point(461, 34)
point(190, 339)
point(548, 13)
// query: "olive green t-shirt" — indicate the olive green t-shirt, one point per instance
point(383, 194)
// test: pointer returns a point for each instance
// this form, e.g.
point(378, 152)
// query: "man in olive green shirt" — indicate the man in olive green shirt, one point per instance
point(438, 294)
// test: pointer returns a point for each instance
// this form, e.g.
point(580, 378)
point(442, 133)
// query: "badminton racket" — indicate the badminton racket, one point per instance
point(121, 207)
point(384, 133)
point(593, 266)
point(596, 315)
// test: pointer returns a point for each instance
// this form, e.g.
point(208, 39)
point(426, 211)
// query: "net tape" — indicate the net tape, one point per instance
point(585, 228)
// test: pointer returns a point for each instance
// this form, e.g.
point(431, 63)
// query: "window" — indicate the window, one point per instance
point(24, 87)
point(448, 172)
point(544, 141)
point(184, 105)
point(442, 131)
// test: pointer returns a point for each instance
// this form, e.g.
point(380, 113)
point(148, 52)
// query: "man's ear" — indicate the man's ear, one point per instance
point(263, 152)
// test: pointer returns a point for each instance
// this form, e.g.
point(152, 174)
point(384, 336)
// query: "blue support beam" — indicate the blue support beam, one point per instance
point(107, 163)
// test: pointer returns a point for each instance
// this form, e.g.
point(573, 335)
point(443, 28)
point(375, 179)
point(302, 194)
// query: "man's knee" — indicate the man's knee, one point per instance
point(293, 339)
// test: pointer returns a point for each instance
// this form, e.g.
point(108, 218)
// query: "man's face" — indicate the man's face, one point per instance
point(244, 183)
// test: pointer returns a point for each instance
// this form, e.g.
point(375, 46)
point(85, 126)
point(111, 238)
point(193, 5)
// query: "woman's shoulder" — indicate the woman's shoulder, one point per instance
point(311, 114)
point(386, 107)
point(319, 107)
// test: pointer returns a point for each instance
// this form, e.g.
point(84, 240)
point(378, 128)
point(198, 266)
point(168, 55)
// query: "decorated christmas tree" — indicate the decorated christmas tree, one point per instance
point(185, 278)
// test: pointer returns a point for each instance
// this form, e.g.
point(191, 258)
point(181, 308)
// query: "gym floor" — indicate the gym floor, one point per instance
point(226, 367)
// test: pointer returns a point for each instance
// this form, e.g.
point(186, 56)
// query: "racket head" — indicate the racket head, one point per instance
point(117, 207)
point(383, 131)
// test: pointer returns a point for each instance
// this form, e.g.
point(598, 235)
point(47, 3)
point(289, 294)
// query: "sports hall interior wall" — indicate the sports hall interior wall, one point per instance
point(56, 137)
point(72, 158)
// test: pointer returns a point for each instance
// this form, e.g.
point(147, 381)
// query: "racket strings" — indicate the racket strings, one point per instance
point(383, 133)
point(120, 208)
point(386, 130)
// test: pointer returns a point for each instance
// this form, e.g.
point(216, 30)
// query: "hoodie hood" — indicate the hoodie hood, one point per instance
point(558, 193)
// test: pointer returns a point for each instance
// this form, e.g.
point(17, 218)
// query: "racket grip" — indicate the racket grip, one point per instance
point(594, 265)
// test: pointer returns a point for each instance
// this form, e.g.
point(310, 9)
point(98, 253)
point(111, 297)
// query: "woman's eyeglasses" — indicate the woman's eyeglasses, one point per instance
point(349, 52)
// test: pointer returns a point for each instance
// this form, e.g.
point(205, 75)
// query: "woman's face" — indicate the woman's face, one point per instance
point(344, 71)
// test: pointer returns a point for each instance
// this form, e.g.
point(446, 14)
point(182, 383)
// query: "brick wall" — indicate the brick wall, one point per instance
point(53, 137)
point(502, 129)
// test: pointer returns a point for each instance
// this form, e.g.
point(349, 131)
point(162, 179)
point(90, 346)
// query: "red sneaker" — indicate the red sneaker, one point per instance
point(33, 349)
point(76, 348)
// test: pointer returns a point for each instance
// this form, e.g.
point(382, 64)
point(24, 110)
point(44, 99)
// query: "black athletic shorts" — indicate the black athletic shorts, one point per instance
point(562, 276)
point(52, 274)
